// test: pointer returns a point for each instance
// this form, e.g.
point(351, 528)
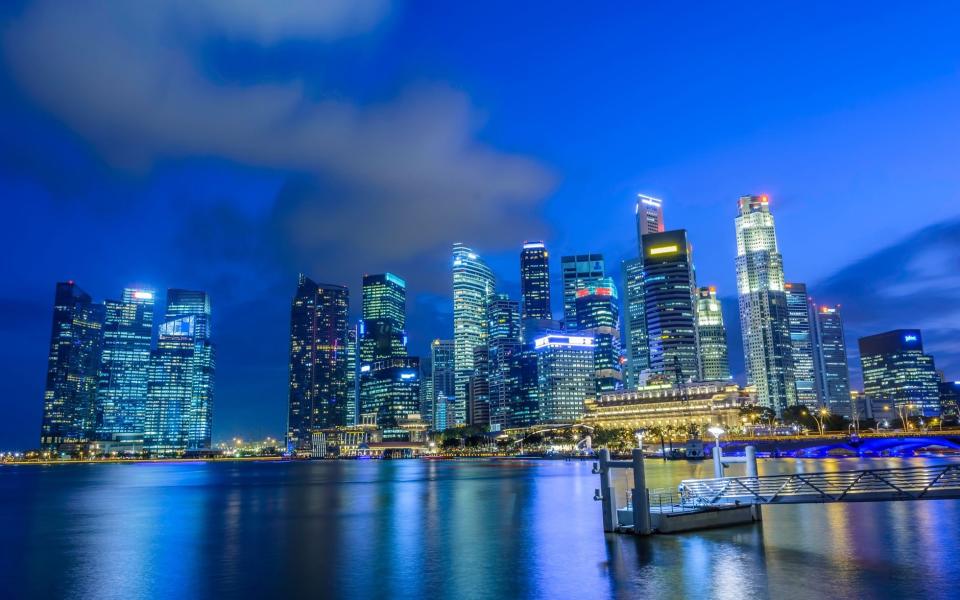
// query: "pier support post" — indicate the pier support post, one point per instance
point(641, 504)
point(717, 463)
point(751, 456)
point(606, 493)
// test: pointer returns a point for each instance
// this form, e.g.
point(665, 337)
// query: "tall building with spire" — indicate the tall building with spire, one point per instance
point(72, 368)
point(319, 342)
point(473, 289)
point(714, 360)
point(535, 282)
point(125, 367)
point(764, 316)
point(670, 305)
point(802, 347)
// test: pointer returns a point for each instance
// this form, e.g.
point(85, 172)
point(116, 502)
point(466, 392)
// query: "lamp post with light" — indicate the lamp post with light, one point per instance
point(717, 431)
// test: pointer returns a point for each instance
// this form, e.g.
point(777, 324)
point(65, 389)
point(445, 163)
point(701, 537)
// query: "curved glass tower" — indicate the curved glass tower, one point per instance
point(473, 285)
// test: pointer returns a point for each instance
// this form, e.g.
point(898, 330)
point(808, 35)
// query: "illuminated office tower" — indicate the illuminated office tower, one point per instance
point(504, 359)
point(574, 270)
point(384, 318)
point(473, 286)
point(802, 346)
point(392, 391)
point(179, 411)
point(478, 388)
point(318, 391)
point(897, 372)
point(764, 317)
point(125, 366)
point(598, 315)
point(443, 372)
point(427, 395)
point(565, 367)
point(833, 372)
point(353, 375)
point(670, 305)
point(712, 334)
point(634, 322)
point(535, 282)
point(72, 368)
point(649, 216)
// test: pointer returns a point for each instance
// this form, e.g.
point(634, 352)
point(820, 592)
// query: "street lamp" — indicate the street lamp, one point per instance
point(639, 433)
point(716, 431)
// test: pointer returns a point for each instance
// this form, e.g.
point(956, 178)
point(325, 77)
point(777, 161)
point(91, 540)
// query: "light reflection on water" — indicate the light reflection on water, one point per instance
point(469, 529)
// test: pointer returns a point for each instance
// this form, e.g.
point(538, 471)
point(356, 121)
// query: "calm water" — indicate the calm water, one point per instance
point(413, 529)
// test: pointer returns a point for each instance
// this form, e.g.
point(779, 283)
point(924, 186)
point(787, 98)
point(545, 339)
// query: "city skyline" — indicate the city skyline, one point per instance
point(242, 224)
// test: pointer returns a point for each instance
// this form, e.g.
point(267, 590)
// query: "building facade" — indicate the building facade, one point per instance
point(712, 335)
point(671, 305)
point(392, 390)
point(649, 215)
point(73, 363)
point(598, 316)
point(897, 372)
point(125, 367)
point(674, 408)
point(535, 281)
point(318, 391)
point(473, 289)
point(179, 411)
point(764, 318)
point(443, 374)
point(574, 270)
point(634, 322)
point(504, 348)
point(565, 369)
point(802, 343)
point(833, 372)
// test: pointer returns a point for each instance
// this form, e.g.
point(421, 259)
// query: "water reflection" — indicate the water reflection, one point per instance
point(413, 529)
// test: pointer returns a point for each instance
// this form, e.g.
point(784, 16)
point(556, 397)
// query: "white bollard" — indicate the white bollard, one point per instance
point(641, 503)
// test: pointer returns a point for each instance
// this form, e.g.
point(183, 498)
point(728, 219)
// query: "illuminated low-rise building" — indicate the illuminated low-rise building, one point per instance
point(701, 404)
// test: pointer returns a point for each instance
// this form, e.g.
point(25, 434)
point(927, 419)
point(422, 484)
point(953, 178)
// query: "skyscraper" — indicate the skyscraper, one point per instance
point(473, 287)
point(478, 388)
point(649, 215)
point(598, 315)
point(353, 375)
point(670, 305)
point(443, 374)
point(504, 359)
point(318, 361)
point(179, 411)
point(574, 270)
point(535, 282)
point(634, 321)
point(72, 368)
point(833, 371)
point(125, 366)
point(802, 347)
point(712, 335)
point(896, 371)
point(764, 317)
point(565, 367)
point(384, 318)
point(392, 390)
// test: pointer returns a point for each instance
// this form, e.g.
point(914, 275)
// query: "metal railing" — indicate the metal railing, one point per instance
point(911, 483)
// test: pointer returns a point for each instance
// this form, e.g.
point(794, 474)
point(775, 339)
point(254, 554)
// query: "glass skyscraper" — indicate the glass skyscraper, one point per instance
point(574, 270)
point(649, 215)
point(832, 368)
point(504, 359)
point(714, 361)
point(565, 368)
point(635, 321)
point(318, 361)
point(384, 318)
point(353, 375)
point(535, 282)
point(670, 305)
point(125, 366)
point(473, 289)
point(598, 315)
point(443, 371)
point(72, 368)
point(764, 317)
point(179, 411)
point(802, 346)
point(896, 371)
point(391, 390)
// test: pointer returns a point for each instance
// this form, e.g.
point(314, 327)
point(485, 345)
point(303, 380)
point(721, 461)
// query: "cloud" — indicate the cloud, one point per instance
point(913, 282)
point(396, 180)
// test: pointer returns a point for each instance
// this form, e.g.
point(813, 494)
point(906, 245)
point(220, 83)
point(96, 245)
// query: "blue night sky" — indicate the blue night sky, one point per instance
point(226, 146)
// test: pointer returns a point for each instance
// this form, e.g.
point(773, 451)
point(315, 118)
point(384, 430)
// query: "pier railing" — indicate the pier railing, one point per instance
point(869, 485)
